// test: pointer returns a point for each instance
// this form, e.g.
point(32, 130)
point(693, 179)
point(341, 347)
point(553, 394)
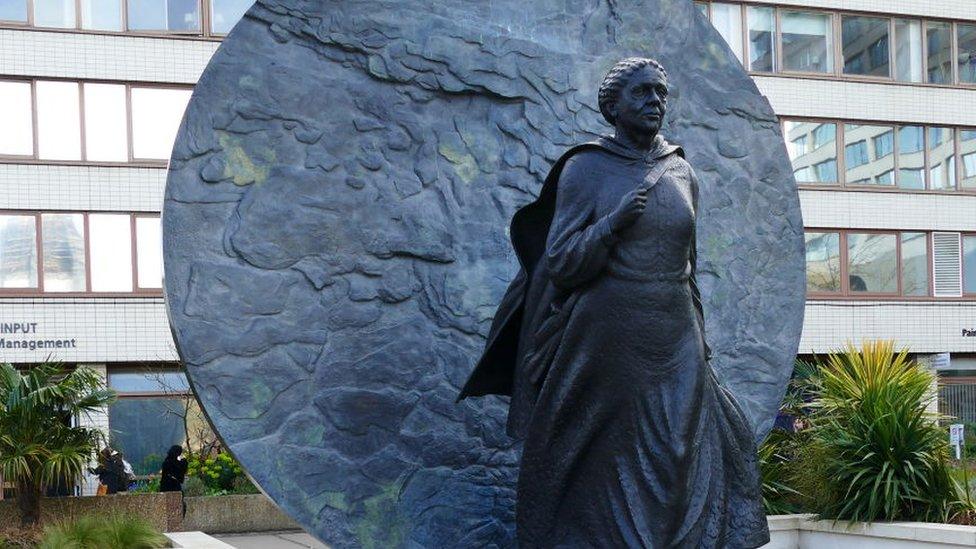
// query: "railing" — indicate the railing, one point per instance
point(957, 398)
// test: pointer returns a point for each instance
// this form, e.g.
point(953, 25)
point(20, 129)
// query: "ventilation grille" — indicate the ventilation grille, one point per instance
point(946, 264)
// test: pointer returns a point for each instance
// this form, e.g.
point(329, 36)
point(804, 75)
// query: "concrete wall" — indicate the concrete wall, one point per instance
point(237, 513)
point(801, 532)
point(163, 511)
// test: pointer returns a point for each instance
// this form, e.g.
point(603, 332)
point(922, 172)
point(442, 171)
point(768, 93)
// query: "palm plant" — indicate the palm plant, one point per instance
point(38, 445)
point(888, 457)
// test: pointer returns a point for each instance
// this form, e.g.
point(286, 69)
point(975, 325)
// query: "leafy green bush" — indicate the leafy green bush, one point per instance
point(149, 485)
point(885, 457)
point(219, 473)
point(103, 532)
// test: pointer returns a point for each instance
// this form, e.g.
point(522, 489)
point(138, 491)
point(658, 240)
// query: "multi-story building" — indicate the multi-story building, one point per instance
point(878, 101)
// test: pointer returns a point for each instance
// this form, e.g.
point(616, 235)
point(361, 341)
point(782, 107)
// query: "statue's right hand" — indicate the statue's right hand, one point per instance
point(629, 210)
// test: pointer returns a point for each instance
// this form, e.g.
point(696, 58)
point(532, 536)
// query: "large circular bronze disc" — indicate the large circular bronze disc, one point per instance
point(335, 238)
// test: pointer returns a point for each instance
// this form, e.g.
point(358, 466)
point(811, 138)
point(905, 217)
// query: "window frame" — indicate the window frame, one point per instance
point(205, 32)
point(962, 264)
point(842, 184)
point(132, 161)
point(845, 292)
point(39, 291)
point(836, 26)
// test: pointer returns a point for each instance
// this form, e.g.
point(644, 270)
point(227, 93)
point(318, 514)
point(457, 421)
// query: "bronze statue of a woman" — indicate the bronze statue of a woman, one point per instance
point(630, 441)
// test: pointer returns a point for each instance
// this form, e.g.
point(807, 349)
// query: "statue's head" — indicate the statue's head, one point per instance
point(634, 95)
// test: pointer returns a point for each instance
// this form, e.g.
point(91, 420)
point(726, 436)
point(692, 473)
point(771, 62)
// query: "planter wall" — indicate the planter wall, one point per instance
point(163, 510)
point(232, 514)
point(801, 532)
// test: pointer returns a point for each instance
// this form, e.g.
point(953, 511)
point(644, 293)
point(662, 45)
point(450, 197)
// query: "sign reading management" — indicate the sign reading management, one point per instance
point(23, 335)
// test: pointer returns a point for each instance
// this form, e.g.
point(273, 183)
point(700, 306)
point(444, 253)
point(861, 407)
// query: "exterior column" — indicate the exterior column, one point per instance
point(98, 420)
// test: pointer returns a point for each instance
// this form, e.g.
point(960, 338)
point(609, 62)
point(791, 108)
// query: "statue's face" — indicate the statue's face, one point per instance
point(641, 104)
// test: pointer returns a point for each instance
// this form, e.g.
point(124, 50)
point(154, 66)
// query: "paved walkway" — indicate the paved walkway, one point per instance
point(272, 540)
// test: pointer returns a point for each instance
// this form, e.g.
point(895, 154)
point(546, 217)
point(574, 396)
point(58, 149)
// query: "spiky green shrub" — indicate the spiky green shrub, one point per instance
point(103, 532)
point(885, 456)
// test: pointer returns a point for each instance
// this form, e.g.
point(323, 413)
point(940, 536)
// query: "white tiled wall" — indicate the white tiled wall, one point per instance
point(46, 187)
point(877, 210)
point(60, 54)
point(791, 96)
point(948, 9)
point(104, 329)
point(923, 327)
point(98, 420)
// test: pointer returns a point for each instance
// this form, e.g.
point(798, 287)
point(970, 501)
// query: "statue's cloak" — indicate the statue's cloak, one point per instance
point(502, 368)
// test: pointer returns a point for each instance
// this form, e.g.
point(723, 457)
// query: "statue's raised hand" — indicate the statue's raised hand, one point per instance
point(630, 208)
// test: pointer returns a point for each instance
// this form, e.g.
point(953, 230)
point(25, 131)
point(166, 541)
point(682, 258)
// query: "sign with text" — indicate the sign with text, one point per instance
point(24, 336)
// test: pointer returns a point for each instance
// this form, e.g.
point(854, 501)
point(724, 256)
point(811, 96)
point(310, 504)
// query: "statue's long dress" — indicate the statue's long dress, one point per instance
point(632, 441)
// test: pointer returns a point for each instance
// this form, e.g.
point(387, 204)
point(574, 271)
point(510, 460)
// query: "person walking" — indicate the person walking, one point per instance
point(174, 470)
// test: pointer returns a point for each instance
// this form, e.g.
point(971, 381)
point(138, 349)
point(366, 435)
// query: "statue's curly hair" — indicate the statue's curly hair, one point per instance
point(615, 80)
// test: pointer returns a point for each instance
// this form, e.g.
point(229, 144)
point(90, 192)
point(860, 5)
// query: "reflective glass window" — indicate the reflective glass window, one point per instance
point(18, 251)
point(149, 381)
point(762, 38)
point(807, 42)
point(156, 116)
point(149, 252)
point(942, 160)
point(13, 10)
point(914, 264)
point(908, 50)
point(54, 13)
point(938, 38)
point(16, 119)
point(106, 123)
point(823, 262)
point(911, 157)
point(101, 15)
point(727, 19)
point(111, 252)
point(164, 15)
point(969, 264)
point(64, 252)
point(868, 165)
point(967, 52)
point(58, 120)
point(967, 150)
point(865, 43)
point(224, 14)
point(144, 428)
point(872, 261)
point(813, 151)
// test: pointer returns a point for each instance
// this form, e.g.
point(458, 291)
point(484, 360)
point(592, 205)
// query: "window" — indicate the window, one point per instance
point(111, 252)
point(106, 124)
point(865, 45)
point(148, 416)
point(969, 264)
point(225, 14)
point(762, 38)
point(859, 164)
point(17, 137)
point(939, 41)
point(823, 262)
point(914, 264)
point(908, 50)
point(966, 41)
point(101, 15)
point(727, 19)
point(149, 255)
point(813, 151)
point(18, 251)
point(807, 42)
point(64, 252)
point(13, 10)
point(156, 116)
point(54, 13)
point(58, 120)
point(967, 141)
point(911, 157)
point(942, 164)
point(872, 261)
point(164, 15)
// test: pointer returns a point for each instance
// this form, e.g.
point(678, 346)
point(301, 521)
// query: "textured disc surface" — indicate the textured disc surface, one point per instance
point(335, 233)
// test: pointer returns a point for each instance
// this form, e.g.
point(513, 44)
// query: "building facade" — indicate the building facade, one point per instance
point(878, 102)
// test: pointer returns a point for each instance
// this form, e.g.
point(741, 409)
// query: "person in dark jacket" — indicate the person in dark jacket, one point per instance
point(174, 470)
point(111, 471)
